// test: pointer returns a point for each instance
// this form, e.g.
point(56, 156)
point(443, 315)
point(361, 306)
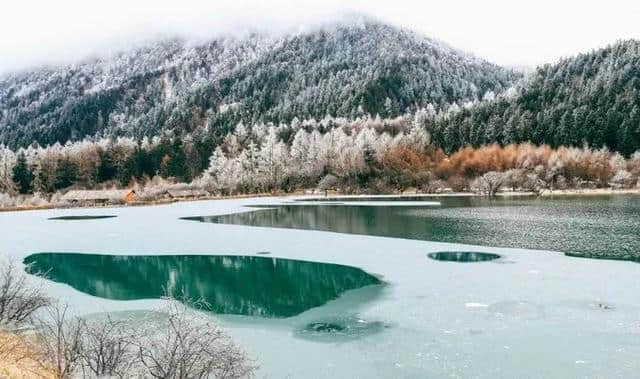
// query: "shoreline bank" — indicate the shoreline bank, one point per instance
point(337, 196)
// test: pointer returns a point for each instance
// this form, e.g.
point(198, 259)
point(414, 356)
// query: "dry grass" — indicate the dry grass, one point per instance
point(29, 208)
point(19, 358)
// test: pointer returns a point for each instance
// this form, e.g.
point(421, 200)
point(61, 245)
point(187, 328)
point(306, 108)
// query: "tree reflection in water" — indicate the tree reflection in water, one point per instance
point(242, 285)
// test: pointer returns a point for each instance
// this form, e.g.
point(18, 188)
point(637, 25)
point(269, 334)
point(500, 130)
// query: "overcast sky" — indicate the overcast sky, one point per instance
point(506, 32)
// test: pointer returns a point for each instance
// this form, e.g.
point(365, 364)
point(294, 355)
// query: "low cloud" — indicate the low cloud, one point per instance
point(52, 33)
point(38, 32)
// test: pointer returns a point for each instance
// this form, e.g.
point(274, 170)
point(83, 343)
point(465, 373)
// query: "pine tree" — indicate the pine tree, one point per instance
point(106, 169)
point(178, 162)
point(23, 175)
point(66, 173)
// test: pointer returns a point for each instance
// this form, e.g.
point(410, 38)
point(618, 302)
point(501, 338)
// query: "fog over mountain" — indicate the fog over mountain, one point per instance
point(350, 67)
point(508, 33)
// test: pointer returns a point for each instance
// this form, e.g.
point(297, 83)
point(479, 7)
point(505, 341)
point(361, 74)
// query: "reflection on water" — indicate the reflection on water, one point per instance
point(244, 285)
point(463, 257)
point(596, 226)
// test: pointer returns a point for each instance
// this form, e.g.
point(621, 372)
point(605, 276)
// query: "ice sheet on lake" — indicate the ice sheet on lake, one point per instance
point(549, 317)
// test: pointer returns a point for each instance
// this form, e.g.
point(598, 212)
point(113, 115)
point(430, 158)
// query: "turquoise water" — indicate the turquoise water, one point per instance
point(241, 285)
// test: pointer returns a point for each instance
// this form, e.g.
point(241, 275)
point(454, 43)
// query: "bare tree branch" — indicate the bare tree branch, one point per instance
point(190, 346)
point(19, 300)
point(62, 340)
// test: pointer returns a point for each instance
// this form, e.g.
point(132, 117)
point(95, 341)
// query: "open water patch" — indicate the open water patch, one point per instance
point(81, 217)
point(229, 284)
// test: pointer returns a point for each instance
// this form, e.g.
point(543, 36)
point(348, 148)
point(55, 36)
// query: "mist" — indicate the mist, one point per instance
point(38, 33)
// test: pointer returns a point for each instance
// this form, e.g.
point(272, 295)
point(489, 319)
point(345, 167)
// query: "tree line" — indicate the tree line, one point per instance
point(92, 164)
point(362, 155)
point(391, 156)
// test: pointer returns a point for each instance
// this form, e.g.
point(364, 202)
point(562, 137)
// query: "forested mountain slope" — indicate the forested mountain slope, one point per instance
point(590, 99)
point(343, 69)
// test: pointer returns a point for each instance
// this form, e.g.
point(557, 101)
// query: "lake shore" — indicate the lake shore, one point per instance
point(139, 203)
point(546, 193)
point(333, 196)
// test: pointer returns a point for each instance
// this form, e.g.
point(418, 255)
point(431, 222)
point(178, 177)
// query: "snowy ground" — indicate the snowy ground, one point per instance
point(531, 314)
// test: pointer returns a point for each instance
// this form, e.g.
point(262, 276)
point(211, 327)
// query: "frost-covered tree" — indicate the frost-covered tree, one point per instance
point(272, 159)
point(300, 148)
point(7, 162)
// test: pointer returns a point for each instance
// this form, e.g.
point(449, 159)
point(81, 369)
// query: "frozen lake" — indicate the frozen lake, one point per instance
point(531, 313)
point(585, 225)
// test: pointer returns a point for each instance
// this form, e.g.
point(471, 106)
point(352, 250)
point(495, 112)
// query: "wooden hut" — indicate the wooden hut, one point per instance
point(100, 197)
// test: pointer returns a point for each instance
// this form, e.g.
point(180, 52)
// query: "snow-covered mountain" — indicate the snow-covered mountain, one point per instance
point(346, 69)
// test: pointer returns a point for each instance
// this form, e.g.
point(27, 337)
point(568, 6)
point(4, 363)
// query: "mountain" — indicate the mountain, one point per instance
point(591, 98)
point(342, 69)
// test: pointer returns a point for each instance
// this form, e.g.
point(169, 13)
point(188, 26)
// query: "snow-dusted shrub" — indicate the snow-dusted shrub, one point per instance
point(176, 342)
point(633, 165)
point(56, 199)
point(36, 200)
point(524, 180)
point(562, 183)
point(436, 186)
point(489, 183)
point(7, 201)
point(622, 179)
point(514, 178)
point(380, 186)
point(457, 183)
point(189, 345)
point(327, 183)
